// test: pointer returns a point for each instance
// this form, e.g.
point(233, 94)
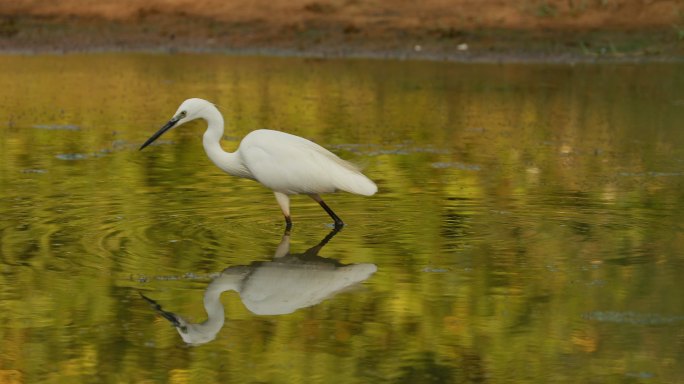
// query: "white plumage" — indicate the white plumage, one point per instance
point(293, 165)
point(284, 163)
point(277, 287)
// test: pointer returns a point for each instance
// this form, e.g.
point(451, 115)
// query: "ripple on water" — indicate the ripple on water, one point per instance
point(178, 236)
point(116, 145)
point(633, 318)
point(398, 149)
point(650, 174)
point(57, 127)
point(456, 165)
point(34, 170)
point(74, 156)
point(583, 212)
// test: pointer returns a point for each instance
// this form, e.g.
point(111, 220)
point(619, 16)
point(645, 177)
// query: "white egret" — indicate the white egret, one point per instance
point(287, 283)
point(285, 163)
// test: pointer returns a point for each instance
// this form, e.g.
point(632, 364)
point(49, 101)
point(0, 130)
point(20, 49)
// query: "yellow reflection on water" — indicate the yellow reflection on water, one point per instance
point(527, 225)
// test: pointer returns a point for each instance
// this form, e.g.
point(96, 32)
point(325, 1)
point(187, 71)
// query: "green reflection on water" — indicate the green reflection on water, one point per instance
point(527, 227)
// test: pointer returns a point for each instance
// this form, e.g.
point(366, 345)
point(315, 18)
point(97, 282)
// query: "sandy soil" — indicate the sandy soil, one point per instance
point(456, 29)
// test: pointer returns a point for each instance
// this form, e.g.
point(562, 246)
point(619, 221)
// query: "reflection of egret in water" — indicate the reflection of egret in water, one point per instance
point(281, 286)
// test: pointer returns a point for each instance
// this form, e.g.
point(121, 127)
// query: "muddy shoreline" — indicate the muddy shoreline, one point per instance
point(312, 30)
point(601, 47)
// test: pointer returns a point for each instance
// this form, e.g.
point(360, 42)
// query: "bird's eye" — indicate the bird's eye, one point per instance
point(182, 114)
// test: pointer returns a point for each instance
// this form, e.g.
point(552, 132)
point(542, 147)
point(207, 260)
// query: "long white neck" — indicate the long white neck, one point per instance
point(215, 312)
point(206, 331)
point(227, 161)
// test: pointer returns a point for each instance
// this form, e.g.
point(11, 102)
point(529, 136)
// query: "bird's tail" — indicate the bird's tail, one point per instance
point(351, 179)
point(357, 183)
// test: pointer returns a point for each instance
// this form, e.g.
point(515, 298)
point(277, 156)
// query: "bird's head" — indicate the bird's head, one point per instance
point(191, 333)
point(189, 110)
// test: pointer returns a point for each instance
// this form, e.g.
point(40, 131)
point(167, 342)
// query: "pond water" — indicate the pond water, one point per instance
point(528, 224)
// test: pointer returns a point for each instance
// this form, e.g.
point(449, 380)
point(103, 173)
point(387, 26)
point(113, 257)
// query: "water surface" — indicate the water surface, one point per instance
point(527, 228)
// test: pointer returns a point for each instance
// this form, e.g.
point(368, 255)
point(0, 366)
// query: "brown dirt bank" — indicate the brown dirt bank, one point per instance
point(456, 29)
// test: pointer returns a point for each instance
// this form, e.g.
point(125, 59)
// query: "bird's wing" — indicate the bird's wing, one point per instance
point(275, 289)
point(291, 164)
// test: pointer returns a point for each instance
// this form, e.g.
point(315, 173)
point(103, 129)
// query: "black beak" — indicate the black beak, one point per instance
point(172, 318)
point(160, 132)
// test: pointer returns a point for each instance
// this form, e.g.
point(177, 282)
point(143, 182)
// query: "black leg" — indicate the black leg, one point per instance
point(288, 223)
point(338, 222)
point(313, 251)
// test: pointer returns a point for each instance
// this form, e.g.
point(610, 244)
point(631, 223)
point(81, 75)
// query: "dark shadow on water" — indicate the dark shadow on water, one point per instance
point(281, 286)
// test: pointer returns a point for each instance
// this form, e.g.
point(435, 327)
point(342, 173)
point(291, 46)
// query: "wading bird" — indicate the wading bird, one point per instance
point(285, 163)
point(277, 287)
